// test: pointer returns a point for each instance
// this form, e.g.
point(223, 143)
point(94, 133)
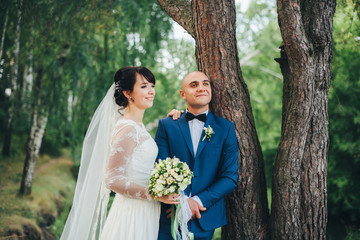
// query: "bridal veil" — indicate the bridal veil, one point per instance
point(89, 207)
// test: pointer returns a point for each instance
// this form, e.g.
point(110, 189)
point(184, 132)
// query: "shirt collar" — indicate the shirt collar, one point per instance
point(206, 112)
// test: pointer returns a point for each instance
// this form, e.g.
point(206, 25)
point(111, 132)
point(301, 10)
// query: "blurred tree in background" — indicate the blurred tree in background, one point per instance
point(344, 123)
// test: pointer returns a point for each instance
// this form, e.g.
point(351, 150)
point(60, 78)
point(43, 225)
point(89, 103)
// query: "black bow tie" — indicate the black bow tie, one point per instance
point(190, 116)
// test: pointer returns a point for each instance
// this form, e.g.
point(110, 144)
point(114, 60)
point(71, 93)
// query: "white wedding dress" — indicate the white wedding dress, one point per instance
point(134, 215)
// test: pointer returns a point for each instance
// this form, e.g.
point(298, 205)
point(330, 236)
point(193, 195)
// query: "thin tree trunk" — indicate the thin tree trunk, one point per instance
point(3, 34)
point(12, 98)
point(39, 122)
point(28, 77)
point(38, 125)
point(216, 54)
point(299, 180)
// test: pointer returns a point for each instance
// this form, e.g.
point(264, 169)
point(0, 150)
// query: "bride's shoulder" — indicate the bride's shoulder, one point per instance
point(127, 128)
point(127, 124)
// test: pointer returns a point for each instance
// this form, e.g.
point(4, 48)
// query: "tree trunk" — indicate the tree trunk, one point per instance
point(216, 54)
point(3, 34)
point(27, 81)
point(12, 98)
point(39, 121)
point(299, 178)
point(38, 125)
point(181, 12)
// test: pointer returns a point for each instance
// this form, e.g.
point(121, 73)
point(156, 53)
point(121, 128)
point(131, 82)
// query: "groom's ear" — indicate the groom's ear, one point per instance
point(182, 94)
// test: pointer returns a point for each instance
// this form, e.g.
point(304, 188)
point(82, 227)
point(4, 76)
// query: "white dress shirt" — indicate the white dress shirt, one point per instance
point(196, 128)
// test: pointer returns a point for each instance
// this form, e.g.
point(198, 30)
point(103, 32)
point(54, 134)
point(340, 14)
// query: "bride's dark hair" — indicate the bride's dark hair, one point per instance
point(125, 79)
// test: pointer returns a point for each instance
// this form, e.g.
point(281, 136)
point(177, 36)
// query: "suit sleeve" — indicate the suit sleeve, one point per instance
point(227, 174)
point(161, 140)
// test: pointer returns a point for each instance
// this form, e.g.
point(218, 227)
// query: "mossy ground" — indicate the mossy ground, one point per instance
point(41, 214)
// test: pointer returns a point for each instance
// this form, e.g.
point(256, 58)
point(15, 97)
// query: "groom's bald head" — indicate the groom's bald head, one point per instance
point(196, 90)
point(193, 76)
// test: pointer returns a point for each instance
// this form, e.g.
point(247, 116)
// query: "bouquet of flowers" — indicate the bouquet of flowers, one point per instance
point(168, 176)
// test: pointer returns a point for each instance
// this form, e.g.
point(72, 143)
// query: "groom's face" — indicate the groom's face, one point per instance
point(196, 90)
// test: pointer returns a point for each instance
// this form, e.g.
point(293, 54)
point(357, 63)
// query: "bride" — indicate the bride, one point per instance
point(118, 155)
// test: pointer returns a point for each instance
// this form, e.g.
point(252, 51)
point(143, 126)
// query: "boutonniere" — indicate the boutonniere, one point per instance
point(208, 133)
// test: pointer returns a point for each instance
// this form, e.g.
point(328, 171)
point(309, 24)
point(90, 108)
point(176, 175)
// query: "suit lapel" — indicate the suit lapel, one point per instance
point(185, 130)
point(209, 121)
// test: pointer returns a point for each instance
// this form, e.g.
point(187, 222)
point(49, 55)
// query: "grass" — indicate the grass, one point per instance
point(52, 189)
point(217, 234)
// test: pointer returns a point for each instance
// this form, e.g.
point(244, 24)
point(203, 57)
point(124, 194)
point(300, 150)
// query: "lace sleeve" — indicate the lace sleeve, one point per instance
point(123, 144)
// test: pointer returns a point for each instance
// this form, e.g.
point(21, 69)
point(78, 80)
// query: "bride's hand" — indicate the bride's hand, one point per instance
point(175, 114)
point(170, 199)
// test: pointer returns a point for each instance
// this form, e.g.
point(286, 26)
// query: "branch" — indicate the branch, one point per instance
point(180, 11)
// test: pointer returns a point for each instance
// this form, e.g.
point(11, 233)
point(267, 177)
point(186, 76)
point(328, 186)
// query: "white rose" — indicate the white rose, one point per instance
point(171, 189)
point(159, 187)
point(179, 178)
point(182, 186)
point(170, 180)
point(176, 160)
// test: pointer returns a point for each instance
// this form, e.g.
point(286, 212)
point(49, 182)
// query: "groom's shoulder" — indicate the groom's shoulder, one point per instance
point(167, 120)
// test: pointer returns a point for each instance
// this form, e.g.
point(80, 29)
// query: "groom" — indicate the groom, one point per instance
point(213, 157)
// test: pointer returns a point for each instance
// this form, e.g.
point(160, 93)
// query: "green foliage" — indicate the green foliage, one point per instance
point(259, 40)
point(352, 233)
point(79, 45)
point(344, 120)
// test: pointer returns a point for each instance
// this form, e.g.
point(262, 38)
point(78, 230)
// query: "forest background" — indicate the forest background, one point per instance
point(58, 58)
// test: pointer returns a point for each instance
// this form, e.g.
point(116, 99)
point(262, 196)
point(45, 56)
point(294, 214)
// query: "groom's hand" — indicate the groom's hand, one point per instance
point(195, 208)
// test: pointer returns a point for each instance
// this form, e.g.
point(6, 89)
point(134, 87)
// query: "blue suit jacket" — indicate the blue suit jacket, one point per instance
point(215, 166)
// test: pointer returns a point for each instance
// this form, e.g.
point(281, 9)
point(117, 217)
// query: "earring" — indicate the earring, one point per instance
point(131, 98)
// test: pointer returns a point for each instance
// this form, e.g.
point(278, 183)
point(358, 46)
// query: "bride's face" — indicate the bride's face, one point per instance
point(143, 93)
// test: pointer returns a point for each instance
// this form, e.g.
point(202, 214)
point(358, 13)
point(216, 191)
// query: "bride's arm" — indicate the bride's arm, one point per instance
point(122, 147)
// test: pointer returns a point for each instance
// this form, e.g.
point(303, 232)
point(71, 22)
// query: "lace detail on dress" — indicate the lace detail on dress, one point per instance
point(128, 145)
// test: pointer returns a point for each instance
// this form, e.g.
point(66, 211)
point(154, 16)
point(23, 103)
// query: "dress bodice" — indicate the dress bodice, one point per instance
point(132, 155)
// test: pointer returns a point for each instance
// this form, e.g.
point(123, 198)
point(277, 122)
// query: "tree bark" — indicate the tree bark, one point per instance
point(3, 34)
point(181, 12)
point(299, 178)
point(27, 81)
point(38, 125)
point(12, 98)
point(216, 54)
